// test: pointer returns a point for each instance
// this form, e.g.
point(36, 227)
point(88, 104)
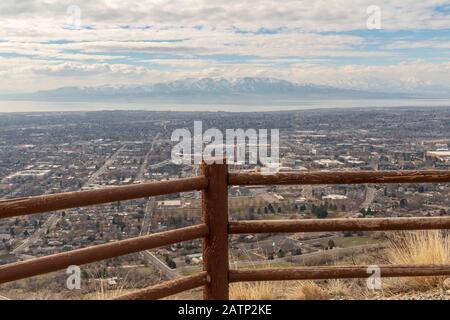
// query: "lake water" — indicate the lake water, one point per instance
point(42, 106)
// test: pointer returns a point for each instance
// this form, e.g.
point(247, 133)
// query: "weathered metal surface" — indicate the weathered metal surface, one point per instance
point(340, 177)
point(337, 272)
point(45, 203)
point(215, 246)
point(29, 268)
point(350, 224)
point(168, 288)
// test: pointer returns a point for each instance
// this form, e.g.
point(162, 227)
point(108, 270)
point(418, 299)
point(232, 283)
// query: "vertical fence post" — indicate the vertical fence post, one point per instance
point(215, 246)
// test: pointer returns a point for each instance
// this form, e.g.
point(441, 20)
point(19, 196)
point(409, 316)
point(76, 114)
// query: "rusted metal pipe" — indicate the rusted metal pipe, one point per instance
point(168, 288)
point(215, 246)
point(329, 225)
point(45, 203)
point(29, 268)
point(337, 272)
point(340, 177)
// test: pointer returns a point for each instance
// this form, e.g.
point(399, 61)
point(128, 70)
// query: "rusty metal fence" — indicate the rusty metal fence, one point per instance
point(216, 228)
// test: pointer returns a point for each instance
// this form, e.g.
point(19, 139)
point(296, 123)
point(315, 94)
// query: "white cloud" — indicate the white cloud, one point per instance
point(331, 15)
point(125, 41)
point(410, 77)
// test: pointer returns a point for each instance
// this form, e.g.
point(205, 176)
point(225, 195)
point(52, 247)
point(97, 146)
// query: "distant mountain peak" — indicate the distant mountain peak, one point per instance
point(204, 89)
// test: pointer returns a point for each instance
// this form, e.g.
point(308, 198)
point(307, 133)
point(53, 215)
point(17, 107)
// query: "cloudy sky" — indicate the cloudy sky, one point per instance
point(47, 44)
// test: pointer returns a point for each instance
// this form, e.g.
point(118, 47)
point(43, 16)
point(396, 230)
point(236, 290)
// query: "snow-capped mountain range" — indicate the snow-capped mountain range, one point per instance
point(205, 89)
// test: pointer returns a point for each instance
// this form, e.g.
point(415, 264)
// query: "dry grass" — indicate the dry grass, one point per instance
point(102, 292)
point(421, 247)
point(306, 290)
point(254, 291)
point(292, 290)
point(340, 289)
point(40, 295)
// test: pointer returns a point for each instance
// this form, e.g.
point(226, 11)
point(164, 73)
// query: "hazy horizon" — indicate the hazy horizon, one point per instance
point(55, 106)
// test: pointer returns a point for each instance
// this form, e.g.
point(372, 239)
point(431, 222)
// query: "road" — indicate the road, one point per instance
point(160, 164)
point(371, 194)
point(50, 223)
point(105, 166)
point(148, 215)
point(160, 265)
point(143, 168)
point(147, 255)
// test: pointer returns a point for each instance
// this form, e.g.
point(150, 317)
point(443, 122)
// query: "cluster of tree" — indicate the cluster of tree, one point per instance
point(331, 244)
point(270, 209)
point(118, 221)
point(403, 203)
point(6, 245)
point(177, 221)
point(170, 262)
point(366, 212)
point(281, 253)
point(333, 207)
point(320, 212)
point(301, 207)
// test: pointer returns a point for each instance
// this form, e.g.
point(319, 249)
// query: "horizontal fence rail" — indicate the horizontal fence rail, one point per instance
point(52, 202)
point(338, 272)
point(335, 177)
point(29, 268)
point(168, 288)
point(329, 225)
